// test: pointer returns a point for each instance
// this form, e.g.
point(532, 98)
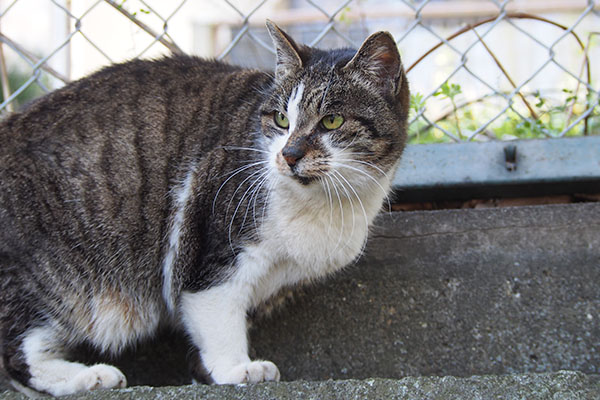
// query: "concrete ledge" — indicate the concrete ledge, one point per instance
point(556, 386)
point(453, 292)
point(438, 293)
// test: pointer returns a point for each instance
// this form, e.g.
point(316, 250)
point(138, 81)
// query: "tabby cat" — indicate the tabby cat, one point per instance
point(187, 192)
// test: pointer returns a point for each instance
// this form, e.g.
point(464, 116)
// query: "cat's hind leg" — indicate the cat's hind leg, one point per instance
point(49, 372)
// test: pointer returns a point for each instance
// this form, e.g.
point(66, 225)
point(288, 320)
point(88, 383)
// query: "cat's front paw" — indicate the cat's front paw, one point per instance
point(250, 372)
point(99, 376)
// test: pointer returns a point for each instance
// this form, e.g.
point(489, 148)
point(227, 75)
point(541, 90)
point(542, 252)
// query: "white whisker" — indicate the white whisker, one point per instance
point(337, 193)
point(327, 190)
point(364, 244)
point(349, 144)
point(272, 186)
point(343, 187)
point(359, 153)
point(243, 167)
point(255, 194)
point(375, 167)
point(244, 148)
point(239, 203)
point(357, 198)
point(232, 174)
point(252, 185)
point(385, 192)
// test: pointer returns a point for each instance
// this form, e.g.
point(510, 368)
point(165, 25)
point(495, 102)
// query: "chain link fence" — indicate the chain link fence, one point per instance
point(479, 69)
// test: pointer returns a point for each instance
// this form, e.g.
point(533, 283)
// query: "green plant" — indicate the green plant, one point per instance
point(450, 91)
point(555, 114)
point(133, 14)
point(419, 131)
point(417, 103)
point(549, 117)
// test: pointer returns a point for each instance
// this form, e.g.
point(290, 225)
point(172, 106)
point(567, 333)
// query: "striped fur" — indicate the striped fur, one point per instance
point(157, 192)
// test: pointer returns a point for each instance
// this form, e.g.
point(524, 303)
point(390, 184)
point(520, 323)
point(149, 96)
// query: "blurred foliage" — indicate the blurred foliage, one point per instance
point(554, 115)
point(16, 79)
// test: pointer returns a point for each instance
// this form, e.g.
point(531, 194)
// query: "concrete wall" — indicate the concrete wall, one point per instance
point(438, 293)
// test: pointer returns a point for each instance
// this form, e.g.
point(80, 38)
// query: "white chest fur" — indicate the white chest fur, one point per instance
point(309, 232)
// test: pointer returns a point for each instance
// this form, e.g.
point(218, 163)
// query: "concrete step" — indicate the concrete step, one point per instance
point(564, 385)
point(438, 293)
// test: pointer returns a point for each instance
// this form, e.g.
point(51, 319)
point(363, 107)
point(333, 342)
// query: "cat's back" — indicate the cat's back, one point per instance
point(125, 95)
point(91, 165)
point(142, 117)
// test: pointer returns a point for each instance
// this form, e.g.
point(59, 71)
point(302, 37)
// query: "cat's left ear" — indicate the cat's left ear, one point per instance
point(288, 52)
point(378, 59)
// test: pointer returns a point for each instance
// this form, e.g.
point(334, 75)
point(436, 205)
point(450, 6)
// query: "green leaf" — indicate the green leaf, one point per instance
point(448, 90)
point(570, 99)
point(416, 102)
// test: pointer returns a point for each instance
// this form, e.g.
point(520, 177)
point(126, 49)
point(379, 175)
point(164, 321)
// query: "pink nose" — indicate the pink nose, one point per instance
point(292, 154)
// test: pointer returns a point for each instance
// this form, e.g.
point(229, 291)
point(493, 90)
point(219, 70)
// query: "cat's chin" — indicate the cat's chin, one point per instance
point(304, 180)
point(297, 179)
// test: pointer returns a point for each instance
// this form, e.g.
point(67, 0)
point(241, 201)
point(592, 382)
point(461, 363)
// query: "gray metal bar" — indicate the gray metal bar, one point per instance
point(511, 168)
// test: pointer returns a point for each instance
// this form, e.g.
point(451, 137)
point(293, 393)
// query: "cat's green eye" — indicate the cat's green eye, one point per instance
point(281, 120)
point(332, 121)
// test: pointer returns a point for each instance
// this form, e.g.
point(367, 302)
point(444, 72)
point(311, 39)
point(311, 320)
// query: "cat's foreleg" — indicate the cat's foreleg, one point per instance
point(216, 321)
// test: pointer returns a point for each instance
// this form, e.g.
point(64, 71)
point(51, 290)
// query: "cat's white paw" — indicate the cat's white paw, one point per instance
point(250, 372)
point(99, 376)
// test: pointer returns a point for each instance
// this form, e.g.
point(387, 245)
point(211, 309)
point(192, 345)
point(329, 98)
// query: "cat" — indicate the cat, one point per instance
point(186, 192)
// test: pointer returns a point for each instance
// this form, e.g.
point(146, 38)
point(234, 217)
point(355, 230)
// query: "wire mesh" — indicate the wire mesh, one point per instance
point(479, 70)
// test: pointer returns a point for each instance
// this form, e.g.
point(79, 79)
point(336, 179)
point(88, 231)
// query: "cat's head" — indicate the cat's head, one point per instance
point(338, 115)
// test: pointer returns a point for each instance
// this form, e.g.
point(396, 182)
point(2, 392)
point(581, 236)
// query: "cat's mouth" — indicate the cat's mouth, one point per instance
point(299, 170)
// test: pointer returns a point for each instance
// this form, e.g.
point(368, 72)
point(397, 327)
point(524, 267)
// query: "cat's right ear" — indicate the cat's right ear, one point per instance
point(287, 51)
